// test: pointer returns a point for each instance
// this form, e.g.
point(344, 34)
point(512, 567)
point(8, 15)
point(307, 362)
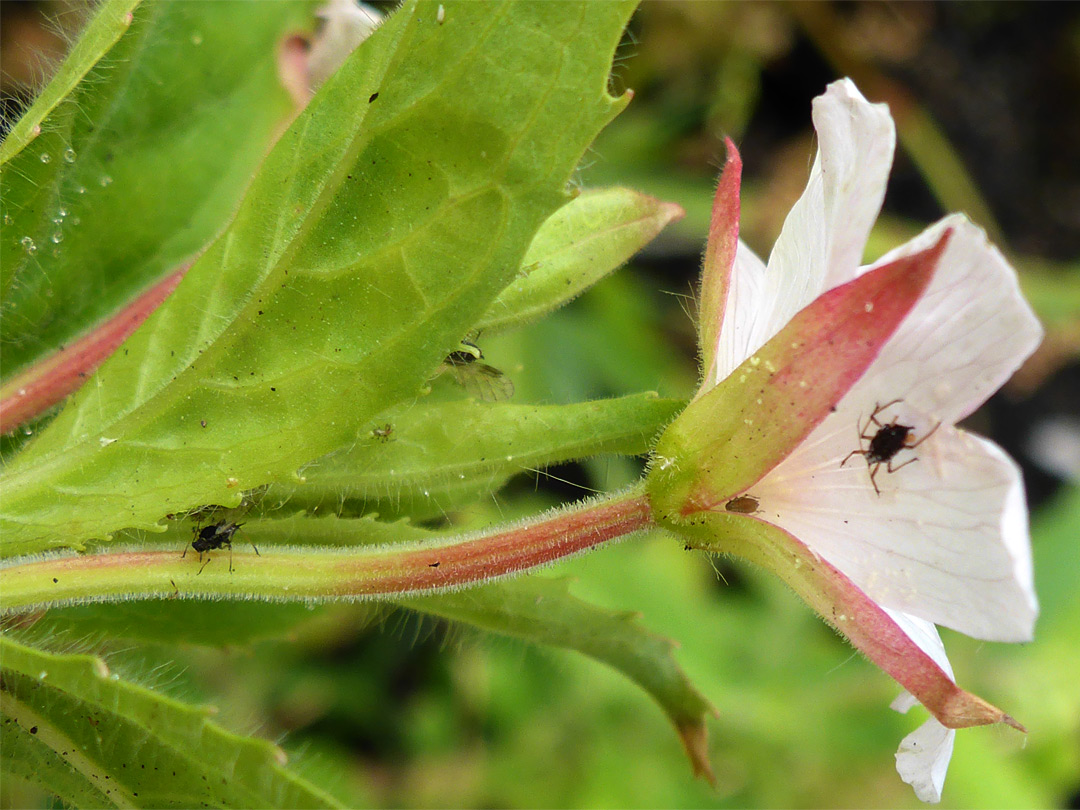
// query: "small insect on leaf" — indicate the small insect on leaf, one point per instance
point(885, 443)
point(382, 432)
point(482, 381)
point(744, 505)
point(212, 537)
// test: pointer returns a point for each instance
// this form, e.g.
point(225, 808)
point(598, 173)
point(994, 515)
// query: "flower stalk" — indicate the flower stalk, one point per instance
point(323, 574)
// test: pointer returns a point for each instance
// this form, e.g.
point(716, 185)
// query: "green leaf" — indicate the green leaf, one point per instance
point(181, 621)
point(376, 234)
point(96, 740)
point(581, 243)
point(543, 611)
point(146, 159)
point(109, 23)
point(440, 456)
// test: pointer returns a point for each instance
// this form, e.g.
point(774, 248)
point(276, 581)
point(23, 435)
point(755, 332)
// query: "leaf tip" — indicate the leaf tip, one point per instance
point(695, 740)
point(671, 212)
point(1011, 721)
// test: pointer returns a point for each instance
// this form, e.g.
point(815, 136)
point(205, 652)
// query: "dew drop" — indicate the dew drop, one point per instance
point(69, 155)
point(45, 157)
point(80, 190)
point(7, 219)
point(57, 236)
point(28, 245)
point(62, 212)
point(105, 180)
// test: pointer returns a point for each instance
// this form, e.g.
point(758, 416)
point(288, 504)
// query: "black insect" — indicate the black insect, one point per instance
point(212, 537)
point(885, 443)
point(479, 379)
point(383, 432)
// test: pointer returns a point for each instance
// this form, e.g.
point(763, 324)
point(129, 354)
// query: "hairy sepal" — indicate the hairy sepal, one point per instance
point(729, 437)
point(847, 609)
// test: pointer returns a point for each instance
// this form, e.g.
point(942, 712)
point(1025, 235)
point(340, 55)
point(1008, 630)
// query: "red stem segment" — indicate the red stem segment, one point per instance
point(317, 574)
point(497, 555)
point(46, 383)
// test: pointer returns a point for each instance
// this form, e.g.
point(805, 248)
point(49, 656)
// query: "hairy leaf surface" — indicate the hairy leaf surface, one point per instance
point(109, 23)
point(440, 456)
point(96, 740)
point(376, 234)
point(138, 165)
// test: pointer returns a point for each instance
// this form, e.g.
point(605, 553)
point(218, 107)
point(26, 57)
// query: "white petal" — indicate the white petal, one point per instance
point(926, 635)
point(924, 754)
point(822, 241)
point(347, 24)
point(923, 759)
point(946, 540)
point(746, 306)
point(964, 338)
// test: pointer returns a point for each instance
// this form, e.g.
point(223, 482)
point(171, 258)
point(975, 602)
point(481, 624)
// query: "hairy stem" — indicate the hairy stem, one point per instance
point(44, 384)
point(315, 574)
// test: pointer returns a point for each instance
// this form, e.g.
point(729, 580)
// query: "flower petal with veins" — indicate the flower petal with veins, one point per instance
point(880, 513)
point(825, 233)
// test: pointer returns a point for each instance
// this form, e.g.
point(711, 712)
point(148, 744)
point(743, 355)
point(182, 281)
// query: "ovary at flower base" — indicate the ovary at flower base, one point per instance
point(828, 408)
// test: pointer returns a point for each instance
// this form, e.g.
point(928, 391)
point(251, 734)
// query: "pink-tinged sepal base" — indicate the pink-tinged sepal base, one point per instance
point(737, 431)
point(719, 260)
point(883, 637)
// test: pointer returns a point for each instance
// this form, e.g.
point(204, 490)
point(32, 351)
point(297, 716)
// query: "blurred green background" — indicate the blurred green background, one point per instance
point(388, 709)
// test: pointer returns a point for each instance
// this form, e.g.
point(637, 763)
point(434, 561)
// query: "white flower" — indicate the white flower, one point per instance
point(884, 538)
point(346, 23)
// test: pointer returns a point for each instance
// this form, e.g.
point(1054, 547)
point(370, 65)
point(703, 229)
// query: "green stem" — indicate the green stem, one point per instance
point(315, 574)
